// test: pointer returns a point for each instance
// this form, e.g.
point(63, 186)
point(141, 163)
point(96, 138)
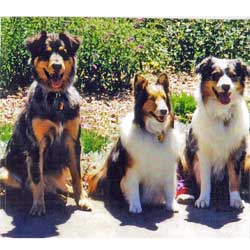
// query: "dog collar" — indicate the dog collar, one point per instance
point(226, 122)
point(60, 103)
point(161, 137)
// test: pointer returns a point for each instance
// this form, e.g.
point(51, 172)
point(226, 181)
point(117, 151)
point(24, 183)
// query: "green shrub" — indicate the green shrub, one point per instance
point(187, 41)
point(113, 49)
point(5, 132)
point(184, 106)
point(92, 142)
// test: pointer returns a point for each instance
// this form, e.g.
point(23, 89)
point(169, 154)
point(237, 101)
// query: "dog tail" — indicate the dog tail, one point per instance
point(95, 182)
point(247, 163)
point(8, 178)
point(247, 156)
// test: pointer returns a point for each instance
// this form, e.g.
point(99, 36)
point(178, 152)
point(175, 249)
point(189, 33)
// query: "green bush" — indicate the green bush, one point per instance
point(184, 106)
point(5, 132)
point(113, 49)
point(92, 142)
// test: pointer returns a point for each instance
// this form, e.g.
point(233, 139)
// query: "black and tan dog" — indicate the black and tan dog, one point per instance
point(46, 140)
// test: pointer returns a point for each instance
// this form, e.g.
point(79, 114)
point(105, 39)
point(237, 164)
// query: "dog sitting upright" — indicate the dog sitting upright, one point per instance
point(218, 138)
point(45, 142)
point(142, 165)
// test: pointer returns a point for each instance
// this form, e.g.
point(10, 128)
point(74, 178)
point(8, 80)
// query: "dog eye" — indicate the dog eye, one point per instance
point(49, 49)
point(232, 75)
point(216, 76)
point(61, 49)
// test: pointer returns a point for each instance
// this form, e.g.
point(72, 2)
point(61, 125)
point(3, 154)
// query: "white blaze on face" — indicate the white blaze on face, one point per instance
point(55, 58)
point(161, 105)
point(225, 80)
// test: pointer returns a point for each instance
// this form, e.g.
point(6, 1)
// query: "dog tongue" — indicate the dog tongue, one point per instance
point(56, 84)
point(223, 98)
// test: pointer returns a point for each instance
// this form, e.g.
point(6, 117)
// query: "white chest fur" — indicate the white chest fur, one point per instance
point(220, 130)
point(154, 162)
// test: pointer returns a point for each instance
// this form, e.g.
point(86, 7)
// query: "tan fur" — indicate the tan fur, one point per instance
point(247, 156)
point(207, 90)
point(40, 66)
point(234, 179)
point(72, 126)
point(42, 127)
point(93, 179)
point(80, 195)
point(59, 181)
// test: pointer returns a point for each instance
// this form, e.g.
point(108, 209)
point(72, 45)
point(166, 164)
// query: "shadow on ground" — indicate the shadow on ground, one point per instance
point(148, 219)
point(17, 205)
point(219, 214)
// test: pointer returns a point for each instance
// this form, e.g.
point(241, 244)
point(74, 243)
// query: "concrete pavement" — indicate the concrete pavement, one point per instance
point(109, 220)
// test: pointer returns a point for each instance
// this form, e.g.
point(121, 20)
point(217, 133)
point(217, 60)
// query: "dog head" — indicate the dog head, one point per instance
point(53, 59)
point(222, 80)
point(152, 104)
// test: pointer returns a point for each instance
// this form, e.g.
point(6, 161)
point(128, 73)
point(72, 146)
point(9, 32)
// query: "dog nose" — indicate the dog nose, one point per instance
point(225, 87)
point(163, 111)
point(56, 66)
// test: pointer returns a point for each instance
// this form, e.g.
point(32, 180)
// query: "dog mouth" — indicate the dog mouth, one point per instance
point(223, 97)
point(55, 79)
point(159, 118)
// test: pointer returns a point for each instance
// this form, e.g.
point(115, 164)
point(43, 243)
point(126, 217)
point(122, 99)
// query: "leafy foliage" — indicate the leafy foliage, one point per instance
point(113, 49)
point(92, 142)
point(5, 132)
point(183, 105)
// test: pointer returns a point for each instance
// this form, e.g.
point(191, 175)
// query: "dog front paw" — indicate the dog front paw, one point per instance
point(135, 208)
point(172, 207)
point(84, 204)
point(236, 201)
point(38, 208)
point(202, 202)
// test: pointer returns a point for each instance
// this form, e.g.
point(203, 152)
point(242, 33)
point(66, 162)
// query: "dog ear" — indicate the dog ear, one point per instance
point(140, 83)
point(242, 69)
point(35, 43)
point(163, 80)
point(72, 43)
point(204, 65)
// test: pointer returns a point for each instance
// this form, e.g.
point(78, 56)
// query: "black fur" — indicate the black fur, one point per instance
point(118, 162)
point(23, 143)
point(44, 103)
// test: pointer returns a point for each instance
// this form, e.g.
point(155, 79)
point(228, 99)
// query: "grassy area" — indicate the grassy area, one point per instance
point(184, 106)
point(90, 140)
point(5, 132)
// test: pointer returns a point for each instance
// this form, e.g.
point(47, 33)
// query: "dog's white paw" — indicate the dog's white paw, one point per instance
point(38, 208)
point(172, 207)
point(202, 202)
point(236, 201)
point(85, 204)
point(135, 208)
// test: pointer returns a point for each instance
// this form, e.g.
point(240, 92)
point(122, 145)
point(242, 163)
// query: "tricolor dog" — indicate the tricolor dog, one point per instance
point(218, 137)
point(142, 164)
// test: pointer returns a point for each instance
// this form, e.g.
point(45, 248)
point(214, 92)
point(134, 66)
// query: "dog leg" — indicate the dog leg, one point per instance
point(130, 189)
point(205, 177)
point(169, 190)
point(234, 186)
point(35, 170)
point(75, 171)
